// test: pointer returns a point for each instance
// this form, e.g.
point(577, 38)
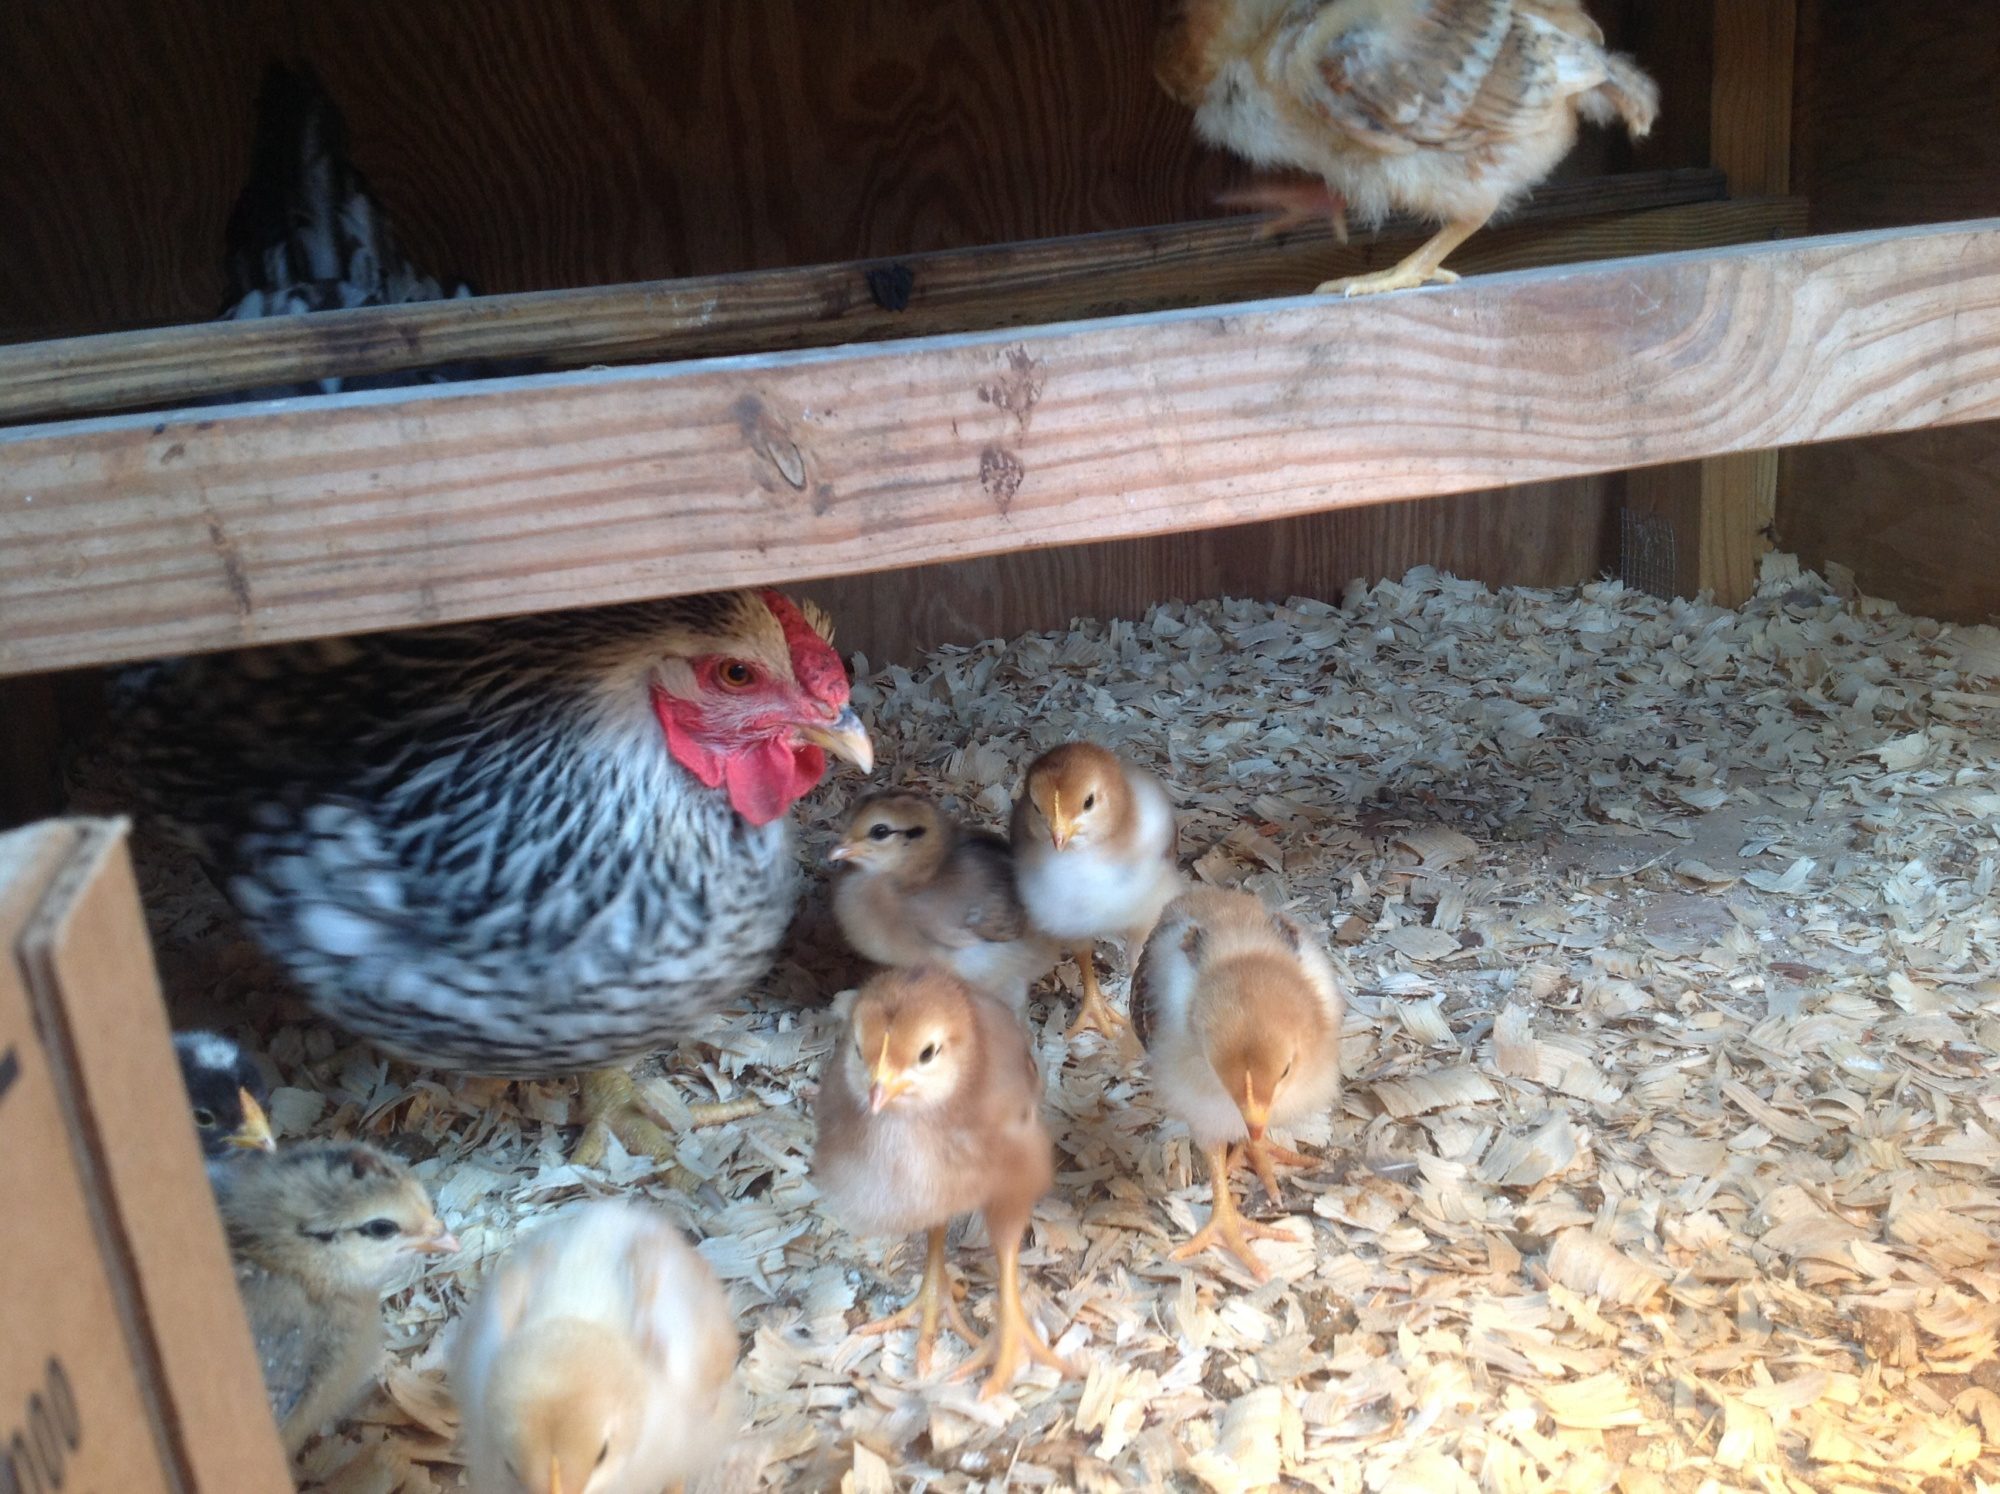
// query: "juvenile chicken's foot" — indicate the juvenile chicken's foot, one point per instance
point(936, 1297)
point(1094, 1013)
point(1295, 203)
point(614, 1106)
point(1265, 1156)
point(1013, 1337)
point(1423, 267)
point(1226, 1225)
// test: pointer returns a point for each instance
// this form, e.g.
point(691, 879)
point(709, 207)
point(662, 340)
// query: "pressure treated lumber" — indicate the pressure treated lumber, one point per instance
point(1097, 275)
point(138, 536)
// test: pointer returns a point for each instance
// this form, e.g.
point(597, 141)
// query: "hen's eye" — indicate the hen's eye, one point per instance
point(736, 675)
point(379, 1229)
point(205, 1119)
point(930, 1052)
point(1090, 801)
point(880, 832)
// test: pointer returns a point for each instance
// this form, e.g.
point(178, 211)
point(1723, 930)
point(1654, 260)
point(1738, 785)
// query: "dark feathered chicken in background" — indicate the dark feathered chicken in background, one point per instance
point(307, 234)
point(516, 848)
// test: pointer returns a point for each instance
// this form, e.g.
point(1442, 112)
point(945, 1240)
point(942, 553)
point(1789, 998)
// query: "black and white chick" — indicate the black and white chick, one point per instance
point(319, 1232)
point(226, 1095)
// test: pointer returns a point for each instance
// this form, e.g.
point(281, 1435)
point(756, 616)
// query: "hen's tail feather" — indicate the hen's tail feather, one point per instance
point(308, 234)
point(1627, 94)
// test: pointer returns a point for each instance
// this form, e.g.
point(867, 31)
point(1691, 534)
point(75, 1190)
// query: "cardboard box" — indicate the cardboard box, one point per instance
point(126, 1366)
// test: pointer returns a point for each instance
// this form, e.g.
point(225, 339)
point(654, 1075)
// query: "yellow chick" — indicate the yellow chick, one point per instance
point(319, 1233)
point(1094, 846)
point(598, 1359)
point(1240, 1015)
point(922, 890)
point(931, 1107)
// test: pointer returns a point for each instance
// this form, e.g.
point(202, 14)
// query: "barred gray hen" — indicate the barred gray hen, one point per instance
point(517, 848)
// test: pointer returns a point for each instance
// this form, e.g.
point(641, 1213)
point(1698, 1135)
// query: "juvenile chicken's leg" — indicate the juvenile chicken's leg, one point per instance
point(1094, 1013)
point(1013, 1336)
point(1226, 1226)
point(1421, 268)
point(937, 1296)
point(1265, 1156)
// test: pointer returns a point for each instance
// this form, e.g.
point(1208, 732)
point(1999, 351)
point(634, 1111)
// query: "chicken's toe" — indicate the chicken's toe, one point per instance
point(614, 1106)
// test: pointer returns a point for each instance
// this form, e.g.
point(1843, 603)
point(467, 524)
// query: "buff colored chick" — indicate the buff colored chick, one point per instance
point(1094, 844)
point(931, 1107)
point(598, 1359)
point(319, 1233)
point(1445, 109)
point(1240, 1013)
point(922, 890)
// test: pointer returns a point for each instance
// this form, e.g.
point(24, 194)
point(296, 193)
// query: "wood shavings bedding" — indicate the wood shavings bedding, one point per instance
point(1667, 1152)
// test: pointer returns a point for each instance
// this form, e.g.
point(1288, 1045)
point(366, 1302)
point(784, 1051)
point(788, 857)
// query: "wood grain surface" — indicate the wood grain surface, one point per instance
point(957, 290)
point(134, 536)
point(529, 145)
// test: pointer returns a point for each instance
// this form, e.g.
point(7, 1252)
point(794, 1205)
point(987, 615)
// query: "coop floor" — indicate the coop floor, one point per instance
point(1666, 1158)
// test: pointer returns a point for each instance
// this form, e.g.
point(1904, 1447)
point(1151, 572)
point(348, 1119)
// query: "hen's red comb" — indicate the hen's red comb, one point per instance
point(814, 663)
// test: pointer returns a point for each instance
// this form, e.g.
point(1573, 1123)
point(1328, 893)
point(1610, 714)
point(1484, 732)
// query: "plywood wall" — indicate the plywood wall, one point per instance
point(526, 144)
point(1899, 122)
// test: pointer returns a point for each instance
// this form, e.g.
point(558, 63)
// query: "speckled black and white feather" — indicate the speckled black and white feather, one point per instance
point(470, 845)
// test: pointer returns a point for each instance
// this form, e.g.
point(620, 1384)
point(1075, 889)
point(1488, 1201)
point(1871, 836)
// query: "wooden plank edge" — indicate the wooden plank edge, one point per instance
point(131, 537)
point(920, 295)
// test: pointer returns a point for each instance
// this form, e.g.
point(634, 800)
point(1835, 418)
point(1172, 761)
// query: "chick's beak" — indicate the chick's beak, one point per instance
point(842, 852)
point(845, 737)
point(1256, 1114)
point(440, 1242)
point(888, 1083)
point(254, 1135)
point(555, 1475)
point(1061, 826)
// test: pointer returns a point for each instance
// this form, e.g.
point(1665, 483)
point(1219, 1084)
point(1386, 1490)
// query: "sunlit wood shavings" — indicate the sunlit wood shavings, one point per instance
point(1782, 1104)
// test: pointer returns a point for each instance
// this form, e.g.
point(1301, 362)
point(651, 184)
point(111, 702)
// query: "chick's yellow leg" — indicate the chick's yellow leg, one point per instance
point(1227, 1227)
point(1094, 1013)
point(1013, 1337)
point(1265, 1156)
point(1424, 267)
point(613, 1106)
point(936, 1297)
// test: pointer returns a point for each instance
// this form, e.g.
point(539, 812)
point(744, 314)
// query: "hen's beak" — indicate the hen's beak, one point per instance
point(888, 1083)
point(845, 737)
point(1061, 826)
point(1255, 1115)
point(254, 1135)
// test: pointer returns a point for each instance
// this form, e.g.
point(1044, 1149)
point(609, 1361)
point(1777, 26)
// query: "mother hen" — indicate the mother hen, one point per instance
point(520, 847)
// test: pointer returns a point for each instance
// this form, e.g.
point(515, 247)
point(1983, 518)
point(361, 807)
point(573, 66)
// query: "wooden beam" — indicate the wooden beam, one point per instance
point(967, 290)
point(137, 536)
point(1716, 516)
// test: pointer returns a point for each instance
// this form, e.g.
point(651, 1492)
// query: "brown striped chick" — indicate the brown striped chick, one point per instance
point(1240, 1014)
point(598, 1359)
point(319, 1233)
point(921, 890)
point(1094, 846)
point(931, 1107)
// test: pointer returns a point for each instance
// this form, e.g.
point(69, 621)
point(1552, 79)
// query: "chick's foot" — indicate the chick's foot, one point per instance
point(1226, 1225)
point(936, 1298)
point(1013, 1338)
point(1094, 1013)
point(1265, 1156)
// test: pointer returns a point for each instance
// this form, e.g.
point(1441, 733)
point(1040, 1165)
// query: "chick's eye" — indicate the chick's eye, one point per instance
point(1090, 801)
point(205, 1119)
point(915, 832)
point(379, 1229)
point(930, 1052)
point(604, 1452)
point(880, 832)
point(736, 675)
